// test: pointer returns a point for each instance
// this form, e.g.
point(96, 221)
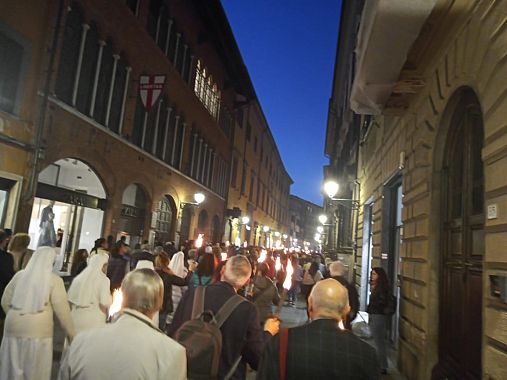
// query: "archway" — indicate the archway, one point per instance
point(215, 232)
point(133, 213)
point(186, 219)
point(202, 223)
point(462, 241)
point(68, 208)
point(165, 220)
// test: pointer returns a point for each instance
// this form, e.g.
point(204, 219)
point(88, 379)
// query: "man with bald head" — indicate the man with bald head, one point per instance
point(321, 350)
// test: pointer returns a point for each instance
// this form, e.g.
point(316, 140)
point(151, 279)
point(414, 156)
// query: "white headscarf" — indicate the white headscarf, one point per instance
point(32, 289)
point(177, 265)
point(83, 290)
point(145, 264)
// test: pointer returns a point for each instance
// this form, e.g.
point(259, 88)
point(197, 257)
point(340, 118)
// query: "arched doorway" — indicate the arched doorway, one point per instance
point(165, 216)
point(215, 229)
point(68, 209)
point(460, 329)
point(133, 214)
point(186, 219)
point(202, 224)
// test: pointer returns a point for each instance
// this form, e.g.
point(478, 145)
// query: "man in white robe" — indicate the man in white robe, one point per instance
point(132, 347)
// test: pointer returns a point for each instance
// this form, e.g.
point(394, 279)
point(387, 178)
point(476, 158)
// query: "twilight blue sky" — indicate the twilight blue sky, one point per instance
point(289, 48)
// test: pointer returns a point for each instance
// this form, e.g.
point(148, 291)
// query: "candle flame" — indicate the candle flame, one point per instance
point(224, 256)
point(287, 284)
point(278, 264)
point(262, 257)
point(117, 301)
point(199, 241)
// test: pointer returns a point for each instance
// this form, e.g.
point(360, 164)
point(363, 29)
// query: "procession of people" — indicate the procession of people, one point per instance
point(157, 330)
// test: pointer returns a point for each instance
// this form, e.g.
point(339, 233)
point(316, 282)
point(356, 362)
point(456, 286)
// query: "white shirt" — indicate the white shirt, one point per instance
point(130, 348)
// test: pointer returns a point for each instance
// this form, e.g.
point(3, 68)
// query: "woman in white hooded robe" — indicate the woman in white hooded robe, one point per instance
point(29, 301)
point(177, 265)
point(89, 294)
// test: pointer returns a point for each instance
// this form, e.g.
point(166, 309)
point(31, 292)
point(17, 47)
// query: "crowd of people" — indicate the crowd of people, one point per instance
point(171, 297)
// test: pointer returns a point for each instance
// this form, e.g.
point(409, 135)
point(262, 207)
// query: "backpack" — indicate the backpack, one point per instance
point(202, 338)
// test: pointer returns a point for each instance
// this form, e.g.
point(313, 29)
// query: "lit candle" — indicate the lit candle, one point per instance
point(199, 241)
point(278, 264)
point(117, 302)
point(262, 257)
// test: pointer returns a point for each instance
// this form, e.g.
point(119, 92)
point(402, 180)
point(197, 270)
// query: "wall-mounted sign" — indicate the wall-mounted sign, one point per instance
point(131, 211)
point(150, 88)
point(492, 211)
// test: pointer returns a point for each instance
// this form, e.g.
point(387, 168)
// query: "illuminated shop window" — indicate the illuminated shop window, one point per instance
point(206, 90)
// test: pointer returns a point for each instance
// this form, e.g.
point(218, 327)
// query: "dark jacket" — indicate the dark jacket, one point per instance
point(265, 294)
point(6, 274)
point(353, 300)
point(169, 280)
point(241, 332)
point(117, 268)
point(138, 256)
point(378, 302)
point(320, 350)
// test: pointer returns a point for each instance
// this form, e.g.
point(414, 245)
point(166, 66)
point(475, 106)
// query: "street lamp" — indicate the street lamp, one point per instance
point(331, 188)
point(320, 229)
point(199, 198)
point(265, 229)
point(245, 220)
point(323, 219)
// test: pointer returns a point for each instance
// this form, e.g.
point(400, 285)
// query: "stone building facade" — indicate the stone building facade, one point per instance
point(431, 161)
point(259, 185)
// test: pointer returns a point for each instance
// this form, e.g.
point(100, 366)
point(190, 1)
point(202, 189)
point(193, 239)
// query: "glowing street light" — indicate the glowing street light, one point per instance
point(331, 188)
point(199, 198)
point(245, 220)
point(320, 229)
point(265, 229)
point(323, 219)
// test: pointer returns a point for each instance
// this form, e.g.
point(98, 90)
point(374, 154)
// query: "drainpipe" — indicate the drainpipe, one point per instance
point(38, 148)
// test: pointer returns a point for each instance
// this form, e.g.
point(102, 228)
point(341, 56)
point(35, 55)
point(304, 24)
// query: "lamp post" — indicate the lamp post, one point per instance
point(198, 199)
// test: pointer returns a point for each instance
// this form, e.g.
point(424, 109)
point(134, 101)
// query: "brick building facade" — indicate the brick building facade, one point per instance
point(75, 129)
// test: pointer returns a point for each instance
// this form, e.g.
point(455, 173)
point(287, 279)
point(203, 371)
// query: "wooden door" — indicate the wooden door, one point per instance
point(463, 246)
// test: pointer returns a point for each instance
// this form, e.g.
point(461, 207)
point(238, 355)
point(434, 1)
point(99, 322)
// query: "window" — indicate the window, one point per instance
point(87, 74)
point(105, 88)
point(11, 60)
point(248, 131)
point(252, 183)
point(133, 6)
point(118, 95)
point(234, 174)
point(69, 55)
point(206, 90)
point(243, 180)
point(154, 13)
point(104, 83)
